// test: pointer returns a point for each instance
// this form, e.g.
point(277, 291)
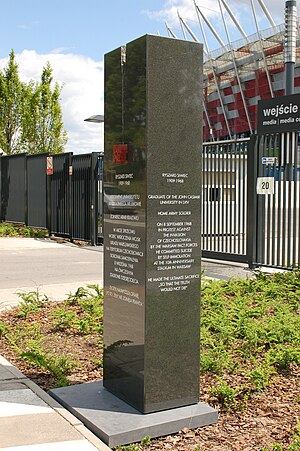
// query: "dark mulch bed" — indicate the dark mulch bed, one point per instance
point(268, 417)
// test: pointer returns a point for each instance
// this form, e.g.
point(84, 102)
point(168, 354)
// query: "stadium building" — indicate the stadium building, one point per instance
point(239, 74)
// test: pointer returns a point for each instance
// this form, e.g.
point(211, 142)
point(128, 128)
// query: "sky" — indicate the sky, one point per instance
point(75, 35)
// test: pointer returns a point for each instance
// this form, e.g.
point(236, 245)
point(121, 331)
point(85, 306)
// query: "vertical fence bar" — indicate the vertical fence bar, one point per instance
point(289, 201)
point(243, 197)
point(220, 202)
point(211, 197)
point(216, 197)
point(94, 198)
point(0, 188)
point(70, 190)
point(234, 179)
point(295, 202)
point(203, 200)
point(226, 200)
point(251, 201)
point(239, 198)
point(279, 201)
point(260, 207)
point(221, 207)
point(284, 209)
point(25, 190)
point(230, 234)
point(267, 237)
point(274, 210)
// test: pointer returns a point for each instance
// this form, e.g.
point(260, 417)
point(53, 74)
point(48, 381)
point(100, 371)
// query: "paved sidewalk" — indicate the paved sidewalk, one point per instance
point(216, 269)
point(30, 420)
point(56, 269)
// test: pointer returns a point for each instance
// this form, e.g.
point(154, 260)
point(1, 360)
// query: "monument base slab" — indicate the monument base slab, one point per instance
point(117, 423)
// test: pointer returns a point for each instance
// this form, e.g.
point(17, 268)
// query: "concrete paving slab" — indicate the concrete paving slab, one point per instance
point(117, 423)
point(11, 386)
point(18, 401)
point(8, 371)
point(33, 429)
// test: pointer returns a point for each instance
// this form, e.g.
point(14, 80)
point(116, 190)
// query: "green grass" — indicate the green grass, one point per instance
point(13, 230)
point(250, 327)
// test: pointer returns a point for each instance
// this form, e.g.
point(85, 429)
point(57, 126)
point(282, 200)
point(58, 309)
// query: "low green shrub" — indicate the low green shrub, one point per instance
point(13, 230)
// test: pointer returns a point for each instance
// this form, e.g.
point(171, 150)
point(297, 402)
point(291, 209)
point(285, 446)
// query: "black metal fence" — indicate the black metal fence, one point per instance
point(250, 208)
point(224, 200)
point(274, 172)
point(55, 192)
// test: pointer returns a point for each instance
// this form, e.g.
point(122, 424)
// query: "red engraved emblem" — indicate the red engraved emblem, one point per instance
point(120, 153)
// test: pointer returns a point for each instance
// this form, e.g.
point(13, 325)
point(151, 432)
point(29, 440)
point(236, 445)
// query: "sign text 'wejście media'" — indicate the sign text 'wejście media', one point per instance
point(280, 114)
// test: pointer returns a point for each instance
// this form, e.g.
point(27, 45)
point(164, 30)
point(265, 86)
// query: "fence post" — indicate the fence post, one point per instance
point(70, 194)
point(94, 198)
point(48, 193)
point(251, 202)
point(1, 218)
point(26, 191)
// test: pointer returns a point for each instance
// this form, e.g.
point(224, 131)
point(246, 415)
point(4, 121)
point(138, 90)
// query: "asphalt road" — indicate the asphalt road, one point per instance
point(55, 269)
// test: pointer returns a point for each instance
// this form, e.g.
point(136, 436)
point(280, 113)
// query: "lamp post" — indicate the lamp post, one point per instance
point(290, 36)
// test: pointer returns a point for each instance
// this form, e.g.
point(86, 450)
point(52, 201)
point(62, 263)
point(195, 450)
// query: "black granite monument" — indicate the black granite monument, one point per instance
point(152, 189)
point(152, 198)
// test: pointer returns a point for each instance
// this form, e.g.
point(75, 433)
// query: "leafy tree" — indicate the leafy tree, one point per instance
point(11, 107)
point(30, 114)
point(42, 124)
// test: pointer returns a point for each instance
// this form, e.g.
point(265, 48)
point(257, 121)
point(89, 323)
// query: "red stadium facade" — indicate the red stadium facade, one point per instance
point(237, 77)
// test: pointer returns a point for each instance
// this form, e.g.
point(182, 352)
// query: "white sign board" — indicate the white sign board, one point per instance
point(265, 185)
point(269, 160)
point(49, 165)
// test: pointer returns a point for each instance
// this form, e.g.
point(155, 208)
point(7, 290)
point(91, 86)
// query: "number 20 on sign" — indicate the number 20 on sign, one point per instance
point(265, 185)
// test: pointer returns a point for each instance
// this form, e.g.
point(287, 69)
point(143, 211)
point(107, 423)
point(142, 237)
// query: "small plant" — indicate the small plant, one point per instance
point(25, 336)
point(97, 362)
point(261, 375)
point(146, 440)
point(73, 299)
point(32, 301)
point(229, 398)
point(59, 367)
point(64, 319)
point(90, 302)
point(3, 329)
point(283, 357)
point(127, 448)
point(225, 395)
point(293, 446)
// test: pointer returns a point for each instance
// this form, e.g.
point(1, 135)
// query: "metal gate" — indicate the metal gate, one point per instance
point(224, 200)
point(275, 166)
point(60, 194)
point(84, 196)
